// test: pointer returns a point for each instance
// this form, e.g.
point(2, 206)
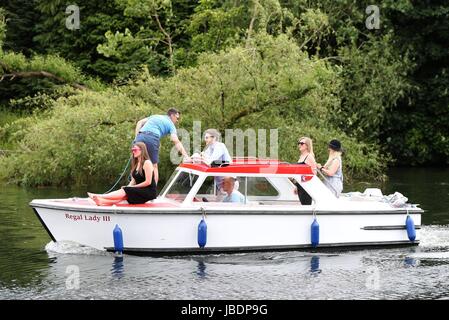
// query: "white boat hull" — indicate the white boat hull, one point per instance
point(168, 231)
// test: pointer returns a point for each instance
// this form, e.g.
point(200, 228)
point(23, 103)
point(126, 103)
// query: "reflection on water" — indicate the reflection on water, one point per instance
point(410, 262)
point(201, 269)
point(363, 274)
point(33, 267)
point(117, 267)
point(315, 264)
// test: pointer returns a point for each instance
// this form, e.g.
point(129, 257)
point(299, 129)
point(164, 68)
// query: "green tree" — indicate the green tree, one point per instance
point(82, 139)
point(267, 83)
point(2, 28)
point(155, 43)
point(27, 79)
point(22, 16)
point(417, 131)
point(374, 78)
point(80, 46)
point(216, 26)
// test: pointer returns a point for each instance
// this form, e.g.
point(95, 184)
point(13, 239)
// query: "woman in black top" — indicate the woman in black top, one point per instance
point(142, 187)
point(307, 156)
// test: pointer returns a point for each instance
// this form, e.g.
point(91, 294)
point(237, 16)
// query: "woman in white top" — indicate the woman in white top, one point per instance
point(332, 170)
point(216, 153)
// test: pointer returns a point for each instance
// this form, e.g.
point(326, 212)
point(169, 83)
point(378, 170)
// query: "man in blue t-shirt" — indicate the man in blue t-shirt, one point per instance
point(150, 131)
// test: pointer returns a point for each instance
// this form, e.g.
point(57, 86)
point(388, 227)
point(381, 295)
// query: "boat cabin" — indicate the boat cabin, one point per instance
point(259, 181)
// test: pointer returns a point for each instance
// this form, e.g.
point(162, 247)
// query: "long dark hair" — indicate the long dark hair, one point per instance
point(141, 159)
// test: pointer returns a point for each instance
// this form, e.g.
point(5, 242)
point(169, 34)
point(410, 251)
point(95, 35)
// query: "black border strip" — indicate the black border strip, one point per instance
point(45, 226)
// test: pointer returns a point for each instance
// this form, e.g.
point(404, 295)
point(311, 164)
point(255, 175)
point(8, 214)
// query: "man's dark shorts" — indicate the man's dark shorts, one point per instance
point(152, 142)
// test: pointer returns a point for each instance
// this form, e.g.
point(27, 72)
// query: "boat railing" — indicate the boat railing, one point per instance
point(324, 178)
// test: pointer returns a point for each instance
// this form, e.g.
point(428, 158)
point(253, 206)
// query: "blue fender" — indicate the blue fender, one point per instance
point(202, 233)
point(315, 233)
point(118, 239)
point(410, 226)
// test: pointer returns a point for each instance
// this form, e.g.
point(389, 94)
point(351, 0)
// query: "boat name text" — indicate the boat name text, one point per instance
point(85, 217)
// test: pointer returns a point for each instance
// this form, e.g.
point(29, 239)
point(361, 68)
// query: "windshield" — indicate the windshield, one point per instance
point(181, 186)
point(173, 175)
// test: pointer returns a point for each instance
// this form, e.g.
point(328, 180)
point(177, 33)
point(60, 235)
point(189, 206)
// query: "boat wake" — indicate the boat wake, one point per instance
point(69, 247)
point(434, 244)
point(430, 255)
point(434, 236)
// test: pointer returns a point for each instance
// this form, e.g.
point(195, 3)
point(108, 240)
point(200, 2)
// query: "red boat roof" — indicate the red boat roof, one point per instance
point(253, 165)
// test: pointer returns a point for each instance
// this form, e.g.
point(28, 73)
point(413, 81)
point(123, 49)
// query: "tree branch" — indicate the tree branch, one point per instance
point(5, 67)
point(310, 38)
point(259, 108)
point(251, 24)
point(262, 106)
point(169, 41)
point(39, 74)
point(110, 123)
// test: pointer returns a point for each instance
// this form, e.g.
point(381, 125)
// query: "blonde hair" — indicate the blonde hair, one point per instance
point(213, 133)
point(332, 155)
point(309, 144)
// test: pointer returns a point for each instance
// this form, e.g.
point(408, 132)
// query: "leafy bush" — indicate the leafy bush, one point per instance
point(83, 139)
point(267, 84)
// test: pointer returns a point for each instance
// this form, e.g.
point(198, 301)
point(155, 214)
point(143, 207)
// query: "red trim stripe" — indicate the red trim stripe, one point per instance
point(267, 168)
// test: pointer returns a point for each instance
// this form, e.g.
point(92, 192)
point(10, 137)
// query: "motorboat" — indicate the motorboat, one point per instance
point(190, 216)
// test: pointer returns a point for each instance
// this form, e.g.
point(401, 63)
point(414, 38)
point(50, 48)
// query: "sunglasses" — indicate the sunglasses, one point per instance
point(135, 149)
point(301, 143)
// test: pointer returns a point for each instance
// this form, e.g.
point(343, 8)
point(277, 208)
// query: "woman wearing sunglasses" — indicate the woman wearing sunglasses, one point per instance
point(142, 187)
point(306, 156)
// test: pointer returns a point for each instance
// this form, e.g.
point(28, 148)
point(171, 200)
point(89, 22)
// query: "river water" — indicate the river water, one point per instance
point(33, 267)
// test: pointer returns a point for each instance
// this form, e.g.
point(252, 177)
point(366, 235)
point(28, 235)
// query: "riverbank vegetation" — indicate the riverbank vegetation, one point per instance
point(70, 98)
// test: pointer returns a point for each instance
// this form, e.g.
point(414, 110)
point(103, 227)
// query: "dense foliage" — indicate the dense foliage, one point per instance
point(86, 137)
point(303, 67)
point(417, 130)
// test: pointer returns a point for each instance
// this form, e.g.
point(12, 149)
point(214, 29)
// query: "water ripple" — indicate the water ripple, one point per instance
point(34, 268)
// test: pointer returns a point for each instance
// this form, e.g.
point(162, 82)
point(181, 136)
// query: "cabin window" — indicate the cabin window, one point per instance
point(259, 187)
point(212, 189)
point(181, 186)
point(209, 187)
point(167, 184)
